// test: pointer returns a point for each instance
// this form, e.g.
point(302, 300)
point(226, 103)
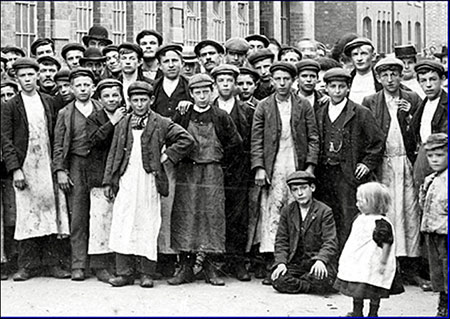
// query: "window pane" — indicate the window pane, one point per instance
point(32, 21)
point(25, 19)
point(18, 19)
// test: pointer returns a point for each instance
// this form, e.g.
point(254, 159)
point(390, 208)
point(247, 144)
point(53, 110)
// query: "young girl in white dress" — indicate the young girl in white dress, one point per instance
point(367, 266)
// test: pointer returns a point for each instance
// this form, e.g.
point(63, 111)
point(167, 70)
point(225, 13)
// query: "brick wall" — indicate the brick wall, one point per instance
point(8, 23)
point(436, 20)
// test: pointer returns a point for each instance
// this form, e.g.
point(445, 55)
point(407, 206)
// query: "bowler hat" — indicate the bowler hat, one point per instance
point(92, 54)
point(78, 72)
point(204, 43)
point(284, 66)
point(356, 43)
point(436, 140)
point(71, 47)
point(155, 33)
point(236, 44)
point(300, 177)
point(22, 63)
point(405, 51)
point(258, 37)
point(168, 47)
point(39, 42)
point(97, 32)
point(225, 69)
point(140, 87)
point(261, 55)
point(132, 47)
point(200, 80)
point(49, 59)
point(429, 65)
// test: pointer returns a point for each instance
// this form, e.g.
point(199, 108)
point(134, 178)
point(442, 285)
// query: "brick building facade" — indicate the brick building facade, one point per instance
point(436, 23)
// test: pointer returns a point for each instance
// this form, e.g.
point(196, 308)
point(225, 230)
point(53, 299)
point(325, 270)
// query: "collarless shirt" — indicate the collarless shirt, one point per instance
point(334, 110)
point(169, 86)
point(427, 118)
point(85, 109)
point(227, 106)
point(362, 86)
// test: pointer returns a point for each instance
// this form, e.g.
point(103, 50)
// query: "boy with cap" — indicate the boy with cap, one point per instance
point(150, 41)
point(434, 202)
point(100, 130)
point(352, 146)
point(247, 82)
point(209, 54)
point(236, 51)
point(48, 66)
point(284, 139)
point(257, 42)
point(11, 54)
point(43, 47)
point(134, 173)
point(289, 54)
point(113, 67)
point(70, 159)
point(27, 132)
point(261, 61)
point(408, 54)
point(306, 244)
point(198, 215)
point(72, 53)
point(308, 47)
point(191, 65)
point(308, 75)
point(65, 94)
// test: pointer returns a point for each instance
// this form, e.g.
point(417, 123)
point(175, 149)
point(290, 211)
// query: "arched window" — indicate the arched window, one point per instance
point(398, 33)
point(367, 28)
point(383, 37)
point(409, 32)
point(418, 34)
point(378, 35)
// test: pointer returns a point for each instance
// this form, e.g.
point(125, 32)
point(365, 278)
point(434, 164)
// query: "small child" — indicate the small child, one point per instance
point(434, 202)
point(367, 266)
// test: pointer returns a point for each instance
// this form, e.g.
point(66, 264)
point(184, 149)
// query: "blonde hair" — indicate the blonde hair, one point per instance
point(377, 196)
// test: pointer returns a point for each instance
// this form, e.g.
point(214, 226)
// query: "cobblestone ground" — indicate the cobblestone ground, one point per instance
point(51, 297)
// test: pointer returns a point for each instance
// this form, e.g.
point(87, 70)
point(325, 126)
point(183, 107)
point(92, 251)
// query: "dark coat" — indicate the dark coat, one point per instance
point(363, 141)
point(63, 134)
point(252, 103)
point(158, 132)
point(377, 104)
point(266, 132)
point(317, 233)
point(166, 106)
point(14, 129)
point(378, 86)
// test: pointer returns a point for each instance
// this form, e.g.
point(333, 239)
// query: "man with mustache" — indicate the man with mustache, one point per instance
point(48, 66)
point(210, 54)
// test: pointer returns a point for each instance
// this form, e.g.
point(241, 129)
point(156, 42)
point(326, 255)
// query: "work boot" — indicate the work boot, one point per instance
point(185, 273)
point(241, 271)
point(358, 305)
point(103, 275)
point(22, 275)
point(121, 281)
point(211, 275)
point(78, 274)
point(58, 272)
point(146, 281)
point(260, 270)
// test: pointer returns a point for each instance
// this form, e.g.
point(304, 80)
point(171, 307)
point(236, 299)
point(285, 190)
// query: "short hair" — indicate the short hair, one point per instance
point(377, 196)
point(254, 78)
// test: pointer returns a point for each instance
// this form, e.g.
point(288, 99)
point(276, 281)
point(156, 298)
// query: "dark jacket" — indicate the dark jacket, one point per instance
point(63, 134)
point(378, 86)
point(363, 140)
point(317, 234)
point(158, 132)
point(377, 104)
point(266, 132)
point(166, 106)
point(14, 129)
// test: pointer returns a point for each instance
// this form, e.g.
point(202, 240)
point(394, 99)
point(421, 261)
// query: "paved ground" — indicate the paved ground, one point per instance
point(51, 297)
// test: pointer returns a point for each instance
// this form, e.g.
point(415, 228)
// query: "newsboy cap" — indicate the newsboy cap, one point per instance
point(110, 48)
point(204, 43)
point(62, 75)
point(260, 55)
point(10, 83)
point(285, 49)
point(78, 72)
point(189, 56)
point(132, 47)
point(154, 33)
point(308, 64)
point(23, 63)
point(200, 80)
point(436, 140)
point(92, 54)
point(389, 61)
point(16, 50)
point(225, 69)
point(300, 177)
point(356, 43)
point(39, 42)
point(258, 37)
point(429, 65)
point(250, 71)
point(49, 59)
point(140, 87)
point(97, 32)
point(405, 51)
point(284, 66)
point(107, 83)
point(338, 74)
point(239, 45)
point(71, 47)
point(168, 47)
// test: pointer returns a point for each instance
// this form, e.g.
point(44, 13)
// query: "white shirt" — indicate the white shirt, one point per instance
point(309, 98)
point(362, 86)
point(200, 110)
point(169, 85)
point(85, 109)
point(227, 106)
point(126, 83)
point(427, 118)
point(414, 86)
point(304, 212)
point(335, 110)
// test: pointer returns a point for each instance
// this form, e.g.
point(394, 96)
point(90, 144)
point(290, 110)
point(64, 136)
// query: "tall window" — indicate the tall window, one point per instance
point(367, 28)
point(285, 11)
point(378, 35)
point(84, 18)
point(398, 33)
point(383, 37)
point(389, 32)
point(243, 19)
point(119, 21)
point(192, 33)
point(149, 15)
point(409, 32)
point(26, 23)
point(219, 21)
point(418, 34)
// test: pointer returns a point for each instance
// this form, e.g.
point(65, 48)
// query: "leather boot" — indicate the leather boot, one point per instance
point(146, 281)
point(186, 273)
point(241, 271)
point(211, 274)
point(121, 281)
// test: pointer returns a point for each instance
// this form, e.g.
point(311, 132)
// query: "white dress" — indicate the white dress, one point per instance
point(136, 217)
point(36, 205)
point(277, 195)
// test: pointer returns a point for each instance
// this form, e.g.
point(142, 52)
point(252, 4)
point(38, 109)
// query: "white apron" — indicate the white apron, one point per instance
point(100, 218)
point(36, 205)
point(137, 209)
point(360, 258)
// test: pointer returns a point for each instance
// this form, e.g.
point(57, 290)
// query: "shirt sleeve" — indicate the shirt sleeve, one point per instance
point(382, 233)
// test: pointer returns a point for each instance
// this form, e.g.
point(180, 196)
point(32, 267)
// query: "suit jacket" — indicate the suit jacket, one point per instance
point(317, 231)
point(63, 134)
point(363, 140)
point(377, 104)
point(166, 106)
point(158, 132)
point(266, 132)
point(14, 129)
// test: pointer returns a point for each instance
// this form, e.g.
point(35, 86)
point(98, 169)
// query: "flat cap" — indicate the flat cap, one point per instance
point(284, 66)
point(250, 71)
point(10, 83)
point(39, 42)
point(236, 44)
point(97, 32)
point(78, 72)
point(133, 47)
point(308, 64)
point(92, 54)
point(154, 33)
point(258, 37)
point(49, 59)
point(285, 49)
point(140, 87)
point(389, 61)
point(107, 83)
point(110, 48)
point(300, 177)
point(168, 47)
point(71, 47)
point(62, 75)
point(204, 43)
point(189, 56)
point(22, 63)
point(405, 51)
point(338, 74)
point(15, 50)
point(261, 55)
point(436, 140)
point(225, 69)
point(200, 80)
point(429, 65)
point(356, 43)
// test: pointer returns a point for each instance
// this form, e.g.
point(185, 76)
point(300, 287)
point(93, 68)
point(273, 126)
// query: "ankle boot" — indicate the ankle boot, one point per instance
point(358, 305)
point(373, 310)
point(186, 273)
point(211, 274)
